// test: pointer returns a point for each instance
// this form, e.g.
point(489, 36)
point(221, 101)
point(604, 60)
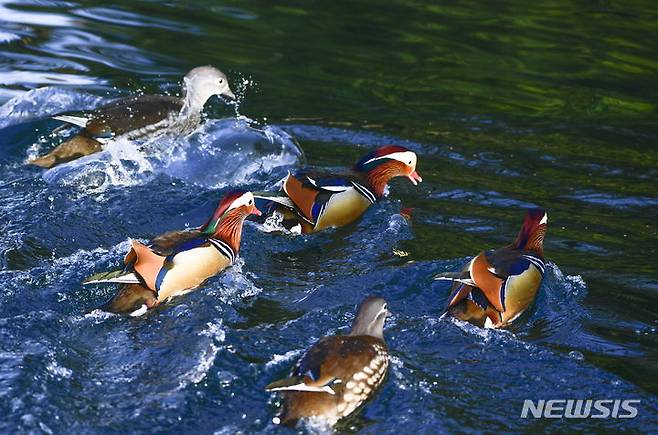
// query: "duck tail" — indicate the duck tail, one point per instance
point(284, 384)
point(467, 302)
point(74, 148)
point(79, 121)
point(116, 276)
point(47, 161)
point(270, 200)
point(131, 299)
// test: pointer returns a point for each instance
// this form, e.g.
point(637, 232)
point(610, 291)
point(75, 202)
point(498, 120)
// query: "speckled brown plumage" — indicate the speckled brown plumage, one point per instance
point(338, 373)
point(359, 362)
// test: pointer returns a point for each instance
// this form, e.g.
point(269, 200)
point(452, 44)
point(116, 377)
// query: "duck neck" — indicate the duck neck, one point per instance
point(192, 105)
point(378, 179)
point(530, 240)
point(373, 328)
point(229, 230)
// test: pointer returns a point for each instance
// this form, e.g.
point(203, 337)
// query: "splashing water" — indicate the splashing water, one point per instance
point(219, 153)
point(567, 125)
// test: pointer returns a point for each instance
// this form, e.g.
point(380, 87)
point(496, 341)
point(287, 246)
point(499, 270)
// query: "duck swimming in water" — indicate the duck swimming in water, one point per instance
point(339, 373)
point(312, 201)
point(498, 285)
point(176, 262)
point(138, 117)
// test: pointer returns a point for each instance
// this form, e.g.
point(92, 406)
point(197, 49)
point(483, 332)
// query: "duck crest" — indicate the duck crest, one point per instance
point(377, 157)
point(531, 235)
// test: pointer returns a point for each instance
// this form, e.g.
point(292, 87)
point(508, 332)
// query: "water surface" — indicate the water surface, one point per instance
point(508, 105)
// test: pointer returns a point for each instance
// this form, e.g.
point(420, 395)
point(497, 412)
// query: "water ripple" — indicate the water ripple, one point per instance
point(130, 19)
point(615, 201)
point(82, 44)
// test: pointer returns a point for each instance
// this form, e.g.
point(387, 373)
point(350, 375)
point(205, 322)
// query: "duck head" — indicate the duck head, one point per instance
point(226, 222)
point(370, 317)
point(388, 162)
point(200, 84)
point(531, 236)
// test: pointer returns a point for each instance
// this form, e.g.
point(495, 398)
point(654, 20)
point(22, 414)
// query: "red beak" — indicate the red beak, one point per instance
point(256, 211)
point(415, 178)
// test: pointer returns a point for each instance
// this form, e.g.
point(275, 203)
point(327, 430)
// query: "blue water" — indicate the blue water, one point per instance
point(200, 362)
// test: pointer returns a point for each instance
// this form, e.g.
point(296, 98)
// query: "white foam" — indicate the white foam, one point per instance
point(396, 368)
point(221, 153)
point(207, 357)
point(575, 284)
point(97, 316)
point(318, 425)
point(59, 371)
point(278, 359)
point(235, 283)
point(43, 102)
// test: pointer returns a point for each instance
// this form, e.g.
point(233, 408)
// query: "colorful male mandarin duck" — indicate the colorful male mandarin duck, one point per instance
point(314, 201)
point(497, 286)
point(179, 261)
point(338, 373)
point(139, 117)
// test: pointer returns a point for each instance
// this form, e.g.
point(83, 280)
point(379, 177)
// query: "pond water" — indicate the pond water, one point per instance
point(508, 105)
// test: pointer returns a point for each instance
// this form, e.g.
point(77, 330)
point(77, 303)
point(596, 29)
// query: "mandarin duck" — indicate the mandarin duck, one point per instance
point(176, 262)
point(338, 373)
point(498, 285)
point(138, 117)
point(313, 201)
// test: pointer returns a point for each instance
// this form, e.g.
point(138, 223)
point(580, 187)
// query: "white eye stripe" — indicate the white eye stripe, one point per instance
point(246, 199)
point(544, 220)
point(402, 156)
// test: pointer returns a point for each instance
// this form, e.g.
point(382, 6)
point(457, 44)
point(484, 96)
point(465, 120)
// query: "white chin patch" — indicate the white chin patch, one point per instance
point(544, 220)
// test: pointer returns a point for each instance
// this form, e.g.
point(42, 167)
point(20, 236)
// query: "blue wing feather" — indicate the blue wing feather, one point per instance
point(187, 245)
point(478, 298)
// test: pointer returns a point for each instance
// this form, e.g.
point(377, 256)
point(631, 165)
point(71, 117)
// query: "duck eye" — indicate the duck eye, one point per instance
point(221, 81)
point(409, 163)
point(251, 201)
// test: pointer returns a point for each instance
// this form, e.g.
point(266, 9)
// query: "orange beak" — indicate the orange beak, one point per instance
point(255, 211)
point(415, 178)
